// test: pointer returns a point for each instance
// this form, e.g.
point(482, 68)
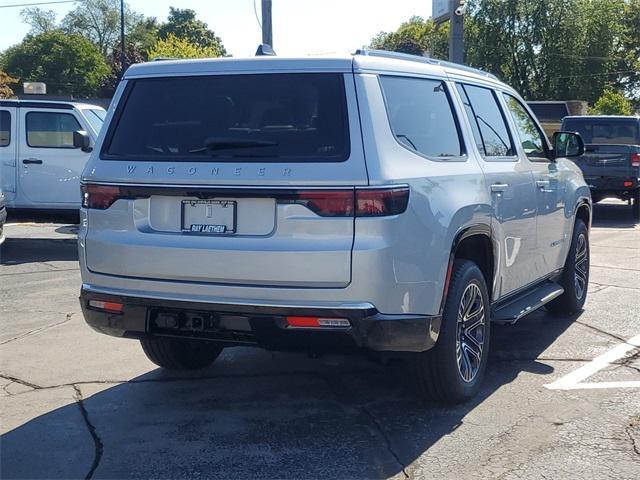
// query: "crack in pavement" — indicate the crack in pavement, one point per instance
point(97, 442)
point(340, 394)
point(38, 330)
point(634, 424)
point(22, 382)
point(603, 332)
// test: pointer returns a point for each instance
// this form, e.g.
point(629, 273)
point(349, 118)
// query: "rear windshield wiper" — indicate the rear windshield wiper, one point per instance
point(212, 144)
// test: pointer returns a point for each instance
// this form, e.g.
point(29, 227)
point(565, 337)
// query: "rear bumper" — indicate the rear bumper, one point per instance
point(602, 184)
point(262, 326)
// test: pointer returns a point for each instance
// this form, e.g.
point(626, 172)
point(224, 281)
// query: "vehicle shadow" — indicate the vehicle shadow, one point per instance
point(254, 414)
point(17, 251)
point(613, 214)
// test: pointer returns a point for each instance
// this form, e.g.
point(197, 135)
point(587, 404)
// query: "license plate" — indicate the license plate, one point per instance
point(209, 217)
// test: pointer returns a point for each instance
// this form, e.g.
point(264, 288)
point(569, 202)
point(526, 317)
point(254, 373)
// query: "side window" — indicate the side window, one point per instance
point(487, 122)
point(531, 138)
point(421, 116)
point(51, 129)
point(5, 128)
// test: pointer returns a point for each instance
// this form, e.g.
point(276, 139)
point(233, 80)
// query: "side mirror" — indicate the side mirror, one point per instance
point(567, 144)
point(82, 141)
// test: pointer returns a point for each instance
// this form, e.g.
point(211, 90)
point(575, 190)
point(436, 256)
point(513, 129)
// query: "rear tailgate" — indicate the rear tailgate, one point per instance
point(246, 186)
point(606, 161)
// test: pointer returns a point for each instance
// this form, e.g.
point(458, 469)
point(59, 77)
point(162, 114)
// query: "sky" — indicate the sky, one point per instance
point(300, 27)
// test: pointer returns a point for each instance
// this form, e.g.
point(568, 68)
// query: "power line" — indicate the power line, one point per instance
point(597, 74)
point(255, 10)
point(36, 3)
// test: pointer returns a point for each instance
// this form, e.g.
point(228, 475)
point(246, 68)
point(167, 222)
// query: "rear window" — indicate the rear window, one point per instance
point(605, 131)
point(265, 117)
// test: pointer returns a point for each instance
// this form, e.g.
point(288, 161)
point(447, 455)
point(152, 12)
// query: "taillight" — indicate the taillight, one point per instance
point(635, 159)
point(381, 202)
point(100, 197)
point(364, 202)
point(327, 203)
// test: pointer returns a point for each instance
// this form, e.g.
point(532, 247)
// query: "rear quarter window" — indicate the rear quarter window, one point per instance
point(297, 117)
point(421, 116)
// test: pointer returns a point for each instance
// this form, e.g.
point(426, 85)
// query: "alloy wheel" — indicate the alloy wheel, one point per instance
point(581, 266)
point(470, 333)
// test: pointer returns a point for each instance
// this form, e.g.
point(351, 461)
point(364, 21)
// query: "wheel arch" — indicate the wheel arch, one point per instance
point(476, 243)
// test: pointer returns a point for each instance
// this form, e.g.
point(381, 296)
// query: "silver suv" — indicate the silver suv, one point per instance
point(376, 201)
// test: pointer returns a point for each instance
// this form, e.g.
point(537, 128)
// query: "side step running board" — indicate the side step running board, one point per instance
point(514, 310)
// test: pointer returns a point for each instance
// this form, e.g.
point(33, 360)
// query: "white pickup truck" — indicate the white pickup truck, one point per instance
point(39, 166)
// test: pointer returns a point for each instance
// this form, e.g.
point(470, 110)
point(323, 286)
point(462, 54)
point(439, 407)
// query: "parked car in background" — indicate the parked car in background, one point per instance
point(3, 216)
point(39, 166)
point(378, 201)
point(611, 163)
point(551, 112)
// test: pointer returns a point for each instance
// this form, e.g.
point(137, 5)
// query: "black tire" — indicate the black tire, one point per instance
point(635, 209)
point(449, 372)
point(575, 275)
point(176, 354)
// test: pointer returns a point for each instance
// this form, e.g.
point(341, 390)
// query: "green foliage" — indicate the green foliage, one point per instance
point(144, 35)
point(7, 84)
point(132, 54)
point(416, 36)
point(39, 20)
point(68, 64)
point(178, 47)
point(546, 49)
point(182, 23)
point(99, 21)
point(611, 103)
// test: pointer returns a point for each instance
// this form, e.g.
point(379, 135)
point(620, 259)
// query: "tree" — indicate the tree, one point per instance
point(416, 36)
point(6, 82)
point(40, 20)
point(611, 103)
point(68, 64)
point(99, 21)
point(546, 49)
point(175, 47)
point(132, 55)
point(182, 23)
point(144, 35)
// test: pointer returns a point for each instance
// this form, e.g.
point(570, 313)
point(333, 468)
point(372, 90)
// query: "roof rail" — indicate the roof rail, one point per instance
point(417, 58)
point(163, 59)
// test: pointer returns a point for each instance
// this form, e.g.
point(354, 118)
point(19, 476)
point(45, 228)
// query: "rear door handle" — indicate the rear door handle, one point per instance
point(499, 187)
point(542, 183)
point(27, 161)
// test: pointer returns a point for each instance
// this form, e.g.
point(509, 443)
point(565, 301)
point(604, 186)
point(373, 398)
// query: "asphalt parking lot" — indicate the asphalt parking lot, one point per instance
point(76, 404)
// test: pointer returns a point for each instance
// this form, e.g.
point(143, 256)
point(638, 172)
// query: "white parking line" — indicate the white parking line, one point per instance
point(572, 381)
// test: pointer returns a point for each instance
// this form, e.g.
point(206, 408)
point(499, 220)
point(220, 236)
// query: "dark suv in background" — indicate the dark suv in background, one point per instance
point(611, 163)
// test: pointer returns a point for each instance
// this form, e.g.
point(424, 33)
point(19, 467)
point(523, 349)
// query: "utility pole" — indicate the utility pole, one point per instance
point(456, 31)
point(267, 32)
point(122, 57)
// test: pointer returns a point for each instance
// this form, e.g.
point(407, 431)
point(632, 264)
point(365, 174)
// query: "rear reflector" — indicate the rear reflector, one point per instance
point(364, 202)
point(635, 159)
point(627, 184)
point(99, 197)
point(114, 307)
point(318, 322)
